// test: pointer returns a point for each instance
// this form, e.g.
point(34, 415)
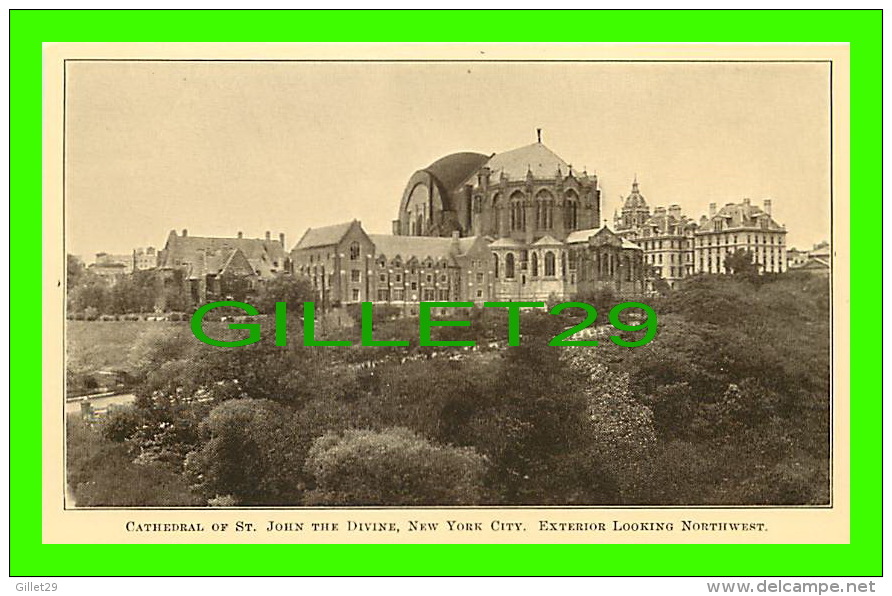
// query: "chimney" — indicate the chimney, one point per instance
point(746, 202)
point(675, 211)
point(240, 235)
point(267, 234)
point(282, 239)
point(712, 210)
point(767, 207)
point(185, 232)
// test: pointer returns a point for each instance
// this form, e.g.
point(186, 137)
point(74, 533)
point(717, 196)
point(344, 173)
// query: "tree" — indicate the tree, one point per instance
point(74, 269)
point(741, 262)
point(250, 453)
point(283, 288)
point(392, 467)
point(622, 428)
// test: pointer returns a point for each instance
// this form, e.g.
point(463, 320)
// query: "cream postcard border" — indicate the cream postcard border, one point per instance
point(784, 524)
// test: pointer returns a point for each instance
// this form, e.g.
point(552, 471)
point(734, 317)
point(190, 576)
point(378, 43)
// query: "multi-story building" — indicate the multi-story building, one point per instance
point(111, 266)
point(666, 236)
point(740, 226)
point(346, 265)
point(145, 259)
point(197, 269)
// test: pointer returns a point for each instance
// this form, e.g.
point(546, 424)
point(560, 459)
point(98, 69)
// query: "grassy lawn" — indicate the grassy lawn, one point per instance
point(106, 345)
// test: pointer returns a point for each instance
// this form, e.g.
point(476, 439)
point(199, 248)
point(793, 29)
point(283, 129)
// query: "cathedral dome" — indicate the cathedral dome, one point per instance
point(454, 169)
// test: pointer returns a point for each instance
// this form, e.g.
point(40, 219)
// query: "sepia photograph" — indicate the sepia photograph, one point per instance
point(467, 283)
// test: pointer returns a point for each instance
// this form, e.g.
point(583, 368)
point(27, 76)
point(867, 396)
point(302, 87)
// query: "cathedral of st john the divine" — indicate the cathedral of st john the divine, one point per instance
point(512, 226)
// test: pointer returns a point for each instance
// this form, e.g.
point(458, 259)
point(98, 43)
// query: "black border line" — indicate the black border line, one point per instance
point(592, 508)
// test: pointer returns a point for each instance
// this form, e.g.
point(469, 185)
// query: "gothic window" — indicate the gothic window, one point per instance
point(535, 265)
point(354, 251)
point(518, 219)
point(495, 259)
point(549, 264)
point(571, 210)
point(544, 210)
point(509, 266)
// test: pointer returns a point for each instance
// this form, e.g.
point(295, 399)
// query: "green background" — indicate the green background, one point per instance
point(29, 29)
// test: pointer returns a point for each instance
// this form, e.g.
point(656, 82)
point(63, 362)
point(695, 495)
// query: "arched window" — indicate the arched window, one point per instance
point(509, 266)
point(354, 251)
point(495, 264)
point(544, 210)
point(518, 218)
point(535, 265)
point(419, 225)
point(549, 264)
point(571, 210)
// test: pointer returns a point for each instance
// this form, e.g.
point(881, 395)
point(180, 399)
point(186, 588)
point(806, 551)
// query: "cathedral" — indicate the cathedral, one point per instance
point(512, 226)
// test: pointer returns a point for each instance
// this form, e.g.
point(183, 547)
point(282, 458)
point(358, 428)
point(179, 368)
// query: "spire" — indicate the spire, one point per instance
point(635, 184)
point(539, 135)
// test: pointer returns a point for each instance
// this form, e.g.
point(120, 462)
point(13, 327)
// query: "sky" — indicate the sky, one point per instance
point(222, 147)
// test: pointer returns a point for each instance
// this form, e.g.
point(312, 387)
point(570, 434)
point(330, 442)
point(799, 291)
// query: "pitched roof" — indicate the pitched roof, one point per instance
point(210, 254)
point(324, 236)
point(407, 247)
point(547, 240)
point(537, 158)
point(506, 243)
point(581, 235)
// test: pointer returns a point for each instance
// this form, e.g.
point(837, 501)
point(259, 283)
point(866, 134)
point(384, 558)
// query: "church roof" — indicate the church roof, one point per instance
point(536, 158)
point(324, 236)
point(407, 247)
point(506, 243)
point(452, 170)
point(582, 235)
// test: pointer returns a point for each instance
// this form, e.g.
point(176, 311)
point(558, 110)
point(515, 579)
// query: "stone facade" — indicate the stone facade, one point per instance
point(194, 270)
point(538, 216)
point(740, 226)
point(346, 266)
point(676, 246)
point(666, 236)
